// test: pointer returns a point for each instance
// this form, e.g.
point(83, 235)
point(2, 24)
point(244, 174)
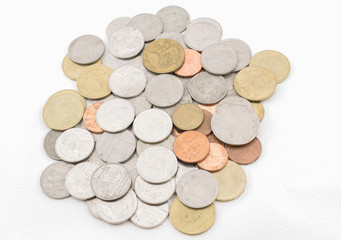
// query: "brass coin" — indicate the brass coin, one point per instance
point(93, 82)
point(273, 61)
point(72, 69)
point(231, 181)
point(255, 83)
point(189, 220)
point(187, 116)
point(163, 56)
point(259, 109)
point(72, 92)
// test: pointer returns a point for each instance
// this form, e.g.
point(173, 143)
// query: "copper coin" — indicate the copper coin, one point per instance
point(215, 160)
point(209, 107)
point(213, 139)
point(89, 118)
point(245, 154)
point(176, 132)
point(191, 146)
point(205, 127)
point(192, 64)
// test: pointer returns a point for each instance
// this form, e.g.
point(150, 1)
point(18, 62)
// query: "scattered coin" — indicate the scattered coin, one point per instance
point(167, 143)
point(243, 51)
point(187, 116)
point(259, 109)
point(86, 49)
point(179, 37)
point(148, 24)
point(140, 103)
point(117, 24)
point(50, 143)
point(205, 127)
point(186, 98)
point(192, 64)
point(89, 118)
point(182, 169)
point(174, 18)
point(245, 154)
point(91, 203)
point(215, 160)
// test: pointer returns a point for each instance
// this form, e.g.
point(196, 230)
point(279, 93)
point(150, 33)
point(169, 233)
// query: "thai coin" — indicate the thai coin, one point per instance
point(110, 182)
point(147, 216)
point(207, 88)
point(93, 208)
point(186, 98)
point(119, 211)
point(259, 109)
point(117, 24)
point(74, 145)
point(130, 165)
point(94, 158)
point(78, 180)
point(230, 84)
point(182, 169)
point(211, 21)
point(152, 125)
point(157, 164)
point(235, 100)
point(140, 103)
point(148, 24)
point(167, 143)
point(115, 115)
point(174, 18)
point(192, 64)
point(89, 118)
point(116, 147)
point(164, 90)
point(50, 143)
point(187, 116)
point(245, 154)
point(86, 49)
point(71, 92)
point(242, 49)
point(52, 180)
point(175, 36)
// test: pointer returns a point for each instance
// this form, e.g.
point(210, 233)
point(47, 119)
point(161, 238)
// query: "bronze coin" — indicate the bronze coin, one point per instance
point(215, 160)
point(192, 64)
point(245, 154)
point(89, 118)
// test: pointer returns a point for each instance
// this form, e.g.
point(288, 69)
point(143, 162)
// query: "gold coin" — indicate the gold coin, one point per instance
point(231, 181)
point(93, 82)
point(72, 69)
point(189, 220)
point(259, 109)
point(63, 111)
point(255, 83)
point(163, 56)
point(273, 61)
point(187, 116)
point(72, 92)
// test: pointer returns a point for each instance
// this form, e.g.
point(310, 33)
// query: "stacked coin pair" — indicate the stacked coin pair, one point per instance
point(168, 113)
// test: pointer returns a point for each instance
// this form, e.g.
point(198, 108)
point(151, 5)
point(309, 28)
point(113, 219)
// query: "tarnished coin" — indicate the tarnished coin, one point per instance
point(152, 125)
point(117, 24)
point(116, 147)
point(182, 169)
point(215, 160)
point(86, 49)
point(243, 51)
point(110, 182)
point(189, 220)
point(192, 64)
point(157, 164)
point(163, 56)
point(186, 98)
point(130, 165)
point(89, 118)
point(70, 92)
point(74, 145)
point(209, 107)
point(140, 103)
point(187, 116)
point(118, 211)
point(259, 109)
point(50, 143)
point(205, 127)
point(154, 193)
point(207, 88)
point(245, 154)
point(167, 143)
point(231, 180)
point(148, 24)
point(91, 203)
point(148, 216)
point(230, 84)
point(255, 83)
point(174, 18)
point(78, 180)
point(52, 180)
point(175, 36)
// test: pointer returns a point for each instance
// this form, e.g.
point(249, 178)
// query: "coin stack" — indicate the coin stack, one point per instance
point(159, 116)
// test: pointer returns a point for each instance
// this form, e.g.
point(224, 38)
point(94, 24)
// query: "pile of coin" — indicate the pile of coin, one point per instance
point(159, 116)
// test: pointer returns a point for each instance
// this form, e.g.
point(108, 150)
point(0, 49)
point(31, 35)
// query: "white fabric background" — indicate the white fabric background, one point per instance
point(294, 189)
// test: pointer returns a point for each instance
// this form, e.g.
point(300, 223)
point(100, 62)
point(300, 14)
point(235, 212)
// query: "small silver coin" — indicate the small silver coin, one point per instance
point(117, 24)
point(74, 145)
point(174, 18)
point(230, 84)
point(86, 49)
point(52, 180)
point(148, 24)
point(197, 189)
point(130, 165)
point(180, 38)
point(167, 143)
point(243, 51)
point(186, 98)
point(182, 169)
point(50, 143)
point(157, 164)
point(140, 103)
point(93, 208)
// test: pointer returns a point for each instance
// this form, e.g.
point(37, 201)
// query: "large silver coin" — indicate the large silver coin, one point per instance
point(179, 37)
point(115, 115)
point(154, 193)
point(174, 18)
point(127, 81)
point(186, 98)
point(230, 84)
point(117, 24)
point(243, 51)
point(50, 143)
point(157, 164)
point(140, 103)
point(116, 147)
point(110, 182)
point(52, 180)
point(74, 145)
point(182, 169)
point(167, 143)
point(147, 216)
point(86, 49)
point(148, 24)
point(152, 125)
point(130, 165)
point(93, 208)
point(78, 180)
point(197, 189)
point(164, 90)
point(207, 88)
point(119, 211)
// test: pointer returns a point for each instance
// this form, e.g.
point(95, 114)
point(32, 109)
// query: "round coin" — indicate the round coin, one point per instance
point(209, 20)
point(205, 127)
point(192, 64)
point(215, 160)
point(213, 139)
point(89, 118)
point(70, 92)
point(245, 154)
point(86, 49)
point(148, 24)
point(259, 109)
point(174, 18)
point(117, 24)
point(50, 143)
point(242, 49)
point(188, 116)
point(167, 143)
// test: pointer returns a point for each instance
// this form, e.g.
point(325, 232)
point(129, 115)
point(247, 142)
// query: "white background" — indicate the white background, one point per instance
point(294, 189)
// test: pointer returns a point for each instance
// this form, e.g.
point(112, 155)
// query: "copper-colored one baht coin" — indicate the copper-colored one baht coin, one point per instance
point(245, 154)
point(192, 64)
point(215, 160)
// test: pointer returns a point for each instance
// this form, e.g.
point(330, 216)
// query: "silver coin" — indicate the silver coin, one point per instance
point(180, 38)
point(157, 164)
point(74, 145)
point(230, 84)
point(235, 100)
point(186, 98)
point(207, 88)
point(126, 43)
point(243, 51)
point(154, 193)
point(167, 143)
point(116, 147)
point(119, 211)
point(115, 115)
point(94, 158)
point(197, 189)
point(211, 21)
point(50, 143)
point(140, 103)
point(52, 180)
point(174, 18)
point(78, 180)
point(148, 24)
point(117, 24)
point(152, 125)
point(127, 81)
point(93, 208)
point(130, 165)
point(164, 90)
point(219, 59)
point(110, 181)
point(147, 216)
point(182, 169)
point(86, 49)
